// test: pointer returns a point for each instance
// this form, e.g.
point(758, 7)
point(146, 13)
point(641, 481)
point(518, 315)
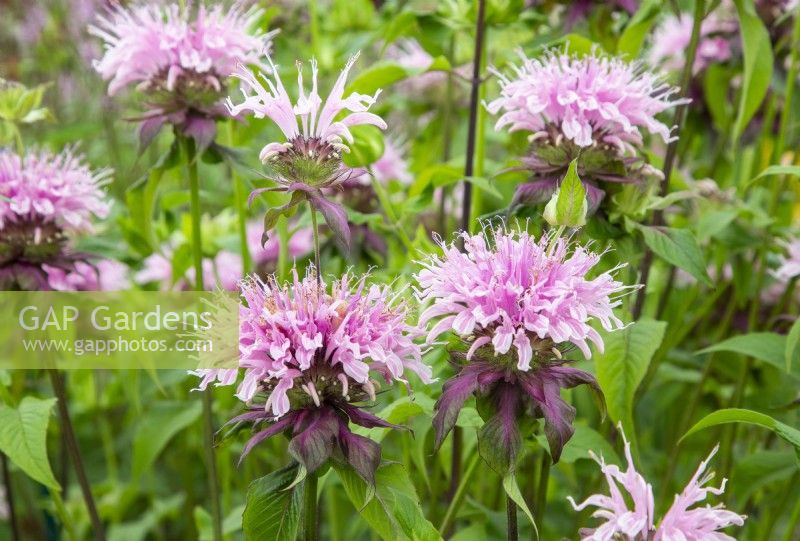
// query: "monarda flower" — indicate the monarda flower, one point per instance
point(789, 264)
point(592, 108)
point(310, 160)
point(44, 198)
point(312, 356)
point(102, 275)
point(224, 270)
point(631, 516)
point(179, 59)
point(521, 305)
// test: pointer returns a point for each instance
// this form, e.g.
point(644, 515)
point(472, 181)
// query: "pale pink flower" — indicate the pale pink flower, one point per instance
point(55, 189)
point(308, 120)
point(102, 275)
point(587, 100)
point(671, 40)
point(302, 342)
point(392, 165)
point(629, 515)
point(409, 54)
point(160, 47)
point(517, 292)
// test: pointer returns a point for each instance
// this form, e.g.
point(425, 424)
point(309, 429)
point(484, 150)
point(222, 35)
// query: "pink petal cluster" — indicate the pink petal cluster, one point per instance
point(589, 99)
point(789, 264)
point(636, 522)
point(103, 275)
point(150, 41)
point(517, 290)
point(52, 188)
point(308, 118)
point(301, 328)
point(671, 40)
point(409, 54)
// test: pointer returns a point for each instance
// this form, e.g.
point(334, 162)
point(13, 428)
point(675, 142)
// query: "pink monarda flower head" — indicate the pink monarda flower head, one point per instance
point(180, 59)
point(592, 108)
point(311, 354)
point(224, 270)
point(631, 516)
point(44, 198)
point(316, 135)
point(521, 304)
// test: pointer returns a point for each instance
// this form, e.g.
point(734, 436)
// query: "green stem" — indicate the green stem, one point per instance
point(388, 209)
point(71, 442)
point(511, 519)
point(315, 230)
point(208, 397)
point(793, 521)
point(672, 148)
point(310, 508)
point(12, 515)
point(458, 497)
point(791, 78)
point(240, 201)
point(541, 489)
point(282, 229)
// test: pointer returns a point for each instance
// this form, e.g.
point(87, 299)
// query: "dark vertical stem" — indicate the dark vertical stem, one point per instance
point(469, 164)
point(511, 516)
point(208, 397)
point(310, 508)
point(672, 148)
point(57, 381)
point(12, 515)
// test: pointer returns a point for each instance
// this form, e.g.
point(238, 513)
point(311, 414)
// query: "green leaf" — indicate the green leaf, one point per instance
point(377, 76)
point(157, 427)
point(778, 170)
point(584, 439)
point(676, 246)
point(758, 61)
point(272, 511)
point(623, 365)
point(568, 205)
point(735, 415)
point(769, 347)
point(394, 512)
point(23, 438)
point(632, 38)
point(716, 85)
point(792, 352)
point(512, 489)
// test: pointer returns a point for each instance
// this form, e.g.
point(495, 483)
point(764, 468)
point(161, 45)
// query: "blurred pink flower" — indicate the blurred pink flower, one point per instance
point(301, 243)
point(161, 48)
point(589, 100)
point(680, 522)
point(671, 39)
point(392, 165)
point(102, 275)
point(224, 270)
point(789, 264)
point(57, 189)
point(518, 292)
point(409, 54)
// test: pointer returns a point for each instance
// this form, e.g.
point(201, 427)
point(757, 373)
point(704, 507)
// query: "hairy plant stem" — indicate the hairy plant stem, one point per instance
point(672, 149)
point(71, 442)
point(240, 202)
point(208, 402)
point(511, 519)
point(12, 515)
point(469, 165)
point(458, 497)
point(315, 230)
point(310, 508)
